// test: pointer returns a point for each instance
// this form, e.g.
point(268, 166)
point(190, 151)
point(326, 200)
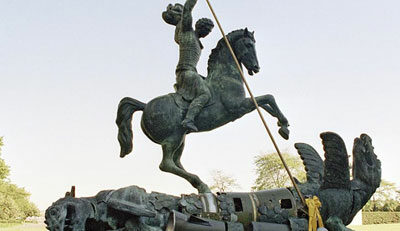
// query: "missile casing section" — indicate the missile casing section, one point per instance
point(263, 226)
point(268, 210)
point(181, 222)
point(248, 207)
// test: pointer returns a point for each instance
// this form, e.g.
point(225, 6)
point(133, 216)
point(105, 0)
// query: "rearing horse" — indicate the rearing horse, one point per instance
point(162, 116)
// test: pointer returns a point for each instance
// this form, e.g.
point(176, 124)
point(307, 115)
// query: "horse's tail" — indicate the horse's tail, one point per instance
point(127, 106)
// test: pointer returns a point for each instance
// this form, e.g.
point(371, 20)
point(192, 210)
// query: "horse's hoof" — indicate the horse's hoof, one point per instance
point(285, 123)
point(284, 132)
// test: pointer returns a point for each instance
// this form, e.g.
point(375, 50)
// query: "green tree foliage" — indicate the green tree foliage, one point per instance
point(14, 201)
point(222, 182)
point(369, 218)
point(386, 198)
point(272, 174)
point(4, 169)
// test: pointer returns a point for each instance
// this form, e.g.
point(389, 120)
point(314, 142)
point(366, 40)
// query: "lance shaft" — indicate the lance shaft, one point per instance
point(256, 105)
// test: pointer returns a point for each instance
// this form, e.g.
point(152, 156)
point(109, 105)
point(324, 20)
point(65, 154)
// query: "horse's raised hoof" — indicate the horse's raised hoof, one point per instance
point(284, 132)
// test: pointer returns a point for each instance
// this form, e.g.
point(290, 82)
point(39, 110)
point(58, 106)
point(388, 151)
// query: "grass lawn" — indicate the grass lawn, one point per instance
point(386, 227)
point(23, 227)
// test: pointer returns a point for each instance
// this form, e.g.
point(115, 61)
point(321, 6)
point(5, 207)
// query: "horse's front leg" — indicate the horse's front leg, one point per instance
point(267, 102)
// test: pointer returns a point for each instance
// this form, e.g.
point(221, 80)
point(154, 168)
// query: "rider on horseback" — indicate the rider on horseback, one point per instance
point(189, 84)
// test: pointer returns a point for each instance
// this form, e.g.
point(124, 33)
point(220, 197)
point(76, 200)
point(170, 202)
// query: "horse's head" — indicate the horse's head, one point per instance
point(55, 217)
point(67, 213)
point(245, 51)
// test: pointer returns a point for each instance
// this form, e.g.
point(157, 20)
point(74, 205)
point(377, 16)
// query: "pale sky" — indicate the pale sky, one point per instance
point(64, 66)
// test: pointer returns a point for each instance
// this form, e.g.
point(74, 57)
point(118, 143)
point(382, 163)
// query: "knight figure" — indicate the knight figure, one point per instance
point(189, 84)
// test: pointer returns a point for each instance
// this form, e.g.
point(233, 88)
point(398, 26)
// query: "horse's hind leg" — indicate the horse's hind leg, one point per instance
point(178, 154)
point(170, 148)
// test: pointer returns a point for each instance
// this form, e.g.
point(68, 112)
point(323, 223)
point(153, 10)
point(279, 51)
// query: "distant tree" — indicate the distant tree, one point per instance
point(272, 174)
point(14, 201)
point(4, 169)
point(386, 198)
point(223, 182)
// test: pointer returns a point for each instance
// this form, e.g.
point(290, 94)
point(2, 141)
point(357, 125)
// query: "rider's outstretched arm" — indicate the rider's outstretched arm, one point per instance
point(187, 18)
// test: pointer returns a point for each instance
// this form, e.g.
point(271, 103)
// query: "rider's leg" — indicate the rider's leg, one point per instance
point(194, 109)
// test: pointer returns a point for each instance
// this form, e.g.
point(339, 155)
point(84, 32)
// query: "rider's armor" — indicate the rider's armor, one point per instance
point(188, 82)
point(189, 51)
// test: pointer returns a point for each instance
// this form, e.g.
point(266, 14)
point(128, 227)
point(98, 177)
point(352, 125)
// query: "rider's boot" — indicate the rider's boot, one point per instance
point(194, 109)
point(188, 124)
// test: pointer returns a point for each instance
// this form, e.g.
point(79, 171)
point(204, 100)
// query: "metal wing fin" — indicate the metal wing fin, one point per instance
point(313, 163)
point(336, 165)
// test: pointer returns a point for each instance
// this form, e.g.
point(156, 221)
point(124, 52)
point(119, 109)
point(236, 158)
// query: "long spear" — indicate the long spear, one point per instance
point(256, 104)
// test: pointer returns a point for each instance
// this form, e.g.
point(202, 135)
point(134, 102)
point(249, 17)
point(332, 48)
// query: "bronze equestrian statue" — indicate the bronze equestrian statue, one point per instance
point(200, 104)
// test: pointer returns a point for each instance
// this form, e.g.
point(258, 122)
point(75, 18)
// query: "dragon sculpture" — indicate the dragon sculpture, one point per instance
point(330, 180)
point(132, 209)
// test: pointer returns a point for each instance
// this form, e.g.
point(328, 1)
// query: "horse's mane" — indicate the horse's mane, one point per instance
point(232, 38)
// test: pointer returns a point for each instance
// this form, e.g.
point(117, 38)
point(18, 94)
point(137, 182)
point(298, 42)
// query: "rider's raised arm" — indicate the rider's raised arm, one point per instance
point(187, 18)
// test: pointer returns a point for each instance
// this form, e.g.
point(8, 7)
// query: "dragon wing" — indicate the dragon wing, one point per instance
point(366, 166)
point(313, 163)
point(336, 165)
